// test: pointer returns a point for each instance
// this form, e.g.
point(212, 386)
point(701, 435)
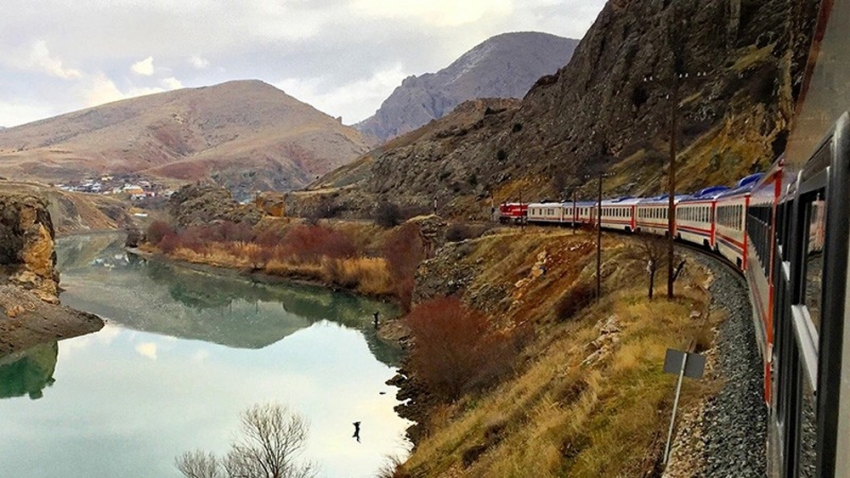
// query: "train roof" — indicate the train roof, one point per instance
point(744, 186)
point(707, 194)
point(621, 201)
point(659, 200)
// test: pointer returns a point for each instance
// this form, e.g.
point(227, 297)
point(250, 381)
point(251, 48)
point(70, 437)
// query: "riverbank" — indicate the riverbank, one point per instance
point(29, 282)
point(248, 274)
point(28, 321)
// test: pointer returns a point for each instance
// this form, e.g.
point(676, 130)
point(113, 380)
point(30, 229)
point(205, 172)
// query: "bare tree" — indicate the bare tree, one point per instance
point(197, 464)
point(653, 249)
point(272, 438)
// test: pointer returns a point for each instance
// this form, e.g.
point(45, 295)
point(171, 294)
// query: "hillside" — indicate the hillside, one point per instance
point(608, 110)
point(76, 212)
point(243, 134)
point(504, 66)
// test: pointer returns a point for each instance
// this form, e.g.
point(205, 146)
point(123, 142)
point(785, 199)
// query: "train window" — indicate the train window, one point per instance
point(814, 239)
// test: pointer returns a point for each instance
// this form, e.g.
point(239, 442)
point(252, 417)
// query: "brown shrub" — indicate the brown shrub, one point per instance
point(269, 238)
point(404, 250)
point(311, 243)
point(169, 243)
point(577, 297)
point(388, 214)
point(459, 231)
point(158, 230)
point(454, 351)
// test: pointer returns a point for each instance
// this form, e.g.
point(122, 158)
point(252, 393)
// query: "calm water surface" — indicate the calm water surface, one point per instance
point(182, 354)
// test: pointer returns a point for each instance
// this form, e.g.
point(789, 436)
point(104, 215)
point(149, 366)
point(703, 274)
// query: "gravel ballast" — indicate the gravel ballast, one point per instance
point(726, 436)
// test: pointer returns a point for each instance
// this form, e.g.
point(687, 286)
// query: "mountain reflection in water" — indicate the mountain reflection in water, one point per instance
point(28, 372)
point(155, 296)
point(182, 354)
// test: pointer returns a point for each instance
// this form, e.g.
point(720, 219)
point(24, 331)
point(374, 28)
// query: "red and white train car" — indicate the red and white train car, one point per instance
point(651, 214)
point(695, 217)
point(586, 212)
point(548, 213)
point(619, 214)
point(731, 221)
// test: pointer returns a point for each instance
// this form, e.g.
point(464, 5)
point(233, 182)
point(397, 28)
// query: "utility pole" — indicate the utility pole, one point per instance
point(599, 242)
point(575, 212)
point(671, 183)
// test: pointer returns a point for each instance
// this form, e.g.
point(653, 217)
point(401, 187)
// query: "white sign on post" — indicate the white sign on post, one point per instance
point(683, 364)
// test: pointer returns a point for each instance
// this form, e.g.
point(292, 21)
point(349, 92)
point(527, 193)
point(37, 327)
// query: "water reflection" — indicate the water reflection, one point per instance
point(28, 372)
point(155, 296)
point(182, 355)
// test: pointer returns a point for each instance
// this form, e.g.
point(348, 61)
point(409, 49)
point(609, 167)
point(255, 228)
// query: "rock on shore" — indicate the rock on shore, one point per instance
point(29, 281)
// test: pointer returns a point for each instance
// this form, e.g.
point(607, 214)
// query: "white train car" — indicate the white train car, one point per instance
point(651, 214)
point(619, 214)
point(731, 221)
point(548, 213)
point(586, 212)
point(695, 216)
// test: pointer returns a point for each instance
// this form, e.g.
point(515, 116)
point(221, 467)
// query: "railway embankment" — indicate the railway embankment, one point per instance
point(725, 435)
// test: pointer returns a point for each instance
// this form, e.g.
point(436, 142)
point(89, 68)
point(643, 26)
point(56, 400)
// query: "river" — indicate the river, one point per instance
point(181, 355)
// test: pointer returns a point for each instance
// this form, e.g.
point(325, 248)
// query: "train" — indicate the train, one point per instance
point(787, 230)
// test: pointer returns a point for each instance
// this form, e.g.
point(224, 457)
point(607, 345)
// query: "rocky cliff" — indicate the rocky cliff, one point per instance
point(199, 204)
point(26, 245)
point(504, 66)
point(740, 63)
point(29, 282)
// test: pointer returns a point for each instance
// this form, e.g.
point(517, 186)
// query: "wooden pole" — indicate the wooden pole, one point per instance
point(671, 186)
point(599, 243)
point(575, 212)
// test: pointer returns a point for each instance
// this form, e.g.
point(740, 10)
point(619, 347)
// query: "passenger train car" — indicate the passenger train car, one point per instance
point(790, 235)
point(788, 232)
point(695, 217)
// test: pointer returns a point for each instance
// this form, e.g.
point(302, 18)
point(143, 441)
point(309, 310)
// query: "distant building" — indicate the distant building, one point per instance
point(134, 190)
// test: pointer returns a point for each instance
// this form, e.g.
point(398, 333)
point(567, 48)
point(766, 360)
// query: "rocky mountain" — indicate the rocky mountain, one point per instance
point(741, 66)
point(243, 134)
point(504, 66)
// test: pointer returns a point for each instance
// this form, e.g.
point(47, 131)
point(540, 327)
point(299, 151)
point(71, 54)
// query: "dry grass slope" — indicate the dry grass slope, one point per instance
point(590, 398)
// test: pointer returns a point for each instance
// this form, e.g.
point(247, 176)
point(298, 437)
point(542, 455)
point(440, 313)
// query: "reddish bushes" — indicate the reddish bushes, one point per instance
point(158, 230)
point(404, 250)
point(454, 351)
point(311, 243)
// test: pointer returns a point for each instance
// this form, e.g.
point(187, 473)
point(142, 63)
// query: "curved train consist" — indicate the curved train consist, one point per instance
point(788, 231)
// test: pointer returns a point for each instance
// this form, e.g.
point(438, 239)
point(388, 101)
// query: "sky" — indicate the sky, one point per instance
point(344, 57)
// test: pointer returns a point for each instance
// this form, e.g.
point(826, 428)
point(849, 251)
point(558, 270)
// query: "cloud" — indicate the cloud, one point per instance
point(315, 49)
point(171, 83)
point(41, 59)
point(450, 13)
point(16, 113)
point(354, 101)
point(198, 62)
point(200, 355)
point(101, 89)
point(143, 67)
point(147, 349)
